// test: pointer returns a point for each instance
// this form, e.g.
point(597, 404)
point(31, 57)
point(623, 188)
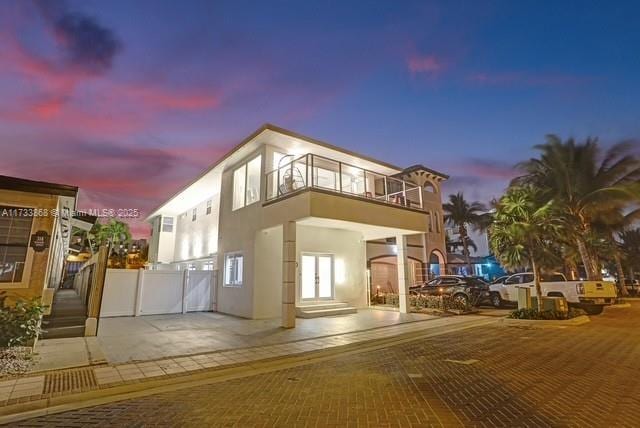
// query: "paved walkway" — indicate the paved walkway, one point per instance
point(41, 388)
point(489, 376)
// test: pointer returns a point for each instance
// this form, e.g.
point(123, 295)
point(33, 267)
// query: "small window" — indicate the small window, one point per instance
point(167, 224)
point(239, 176)
point(15, 232)
point(430, 221)
point(208, 207)
point(233, 269)
point(194, 213)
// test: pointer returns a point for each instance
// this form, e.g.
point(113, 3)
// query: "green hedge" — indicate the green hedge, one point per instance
point(534, 314)
point(19, 324)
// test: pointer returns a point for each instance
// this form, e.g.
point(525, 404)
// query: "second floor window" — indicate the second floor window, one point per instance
point(167, 224)
point(194, 213)
point(208, 207)
point(246, 183)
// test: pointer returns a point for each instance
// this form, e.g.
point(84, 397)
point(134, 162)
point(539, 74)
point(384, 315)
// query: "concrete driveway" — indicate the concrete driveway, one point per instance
point(124, 339)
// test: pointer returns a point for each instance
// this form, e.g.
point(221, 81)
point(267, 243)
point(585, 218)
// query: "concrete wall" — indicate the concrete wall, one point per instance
point(199, 238)
point(267, 293)
point(350, 264)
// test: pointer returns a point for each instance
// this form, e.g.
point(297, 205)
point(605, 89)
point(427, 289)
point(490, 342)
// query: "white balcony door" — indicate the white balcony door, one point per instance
point(316, 282)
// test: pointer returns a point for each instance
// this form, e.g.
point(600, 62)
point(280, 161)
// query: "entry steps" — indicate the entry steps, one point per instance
point(324, 310)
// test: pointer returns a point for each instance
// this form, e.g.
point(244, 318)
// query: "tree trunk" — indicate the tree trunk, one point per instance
point(536, 280)
point(586, 259)
point(622, 290)
point(465, 248)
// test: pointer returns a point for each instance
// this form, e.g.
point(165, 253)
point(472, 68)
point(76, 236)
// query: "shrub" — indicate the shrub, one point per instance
point(534, 314)
point(391, 299)
point(443, 303)
point(20, 323)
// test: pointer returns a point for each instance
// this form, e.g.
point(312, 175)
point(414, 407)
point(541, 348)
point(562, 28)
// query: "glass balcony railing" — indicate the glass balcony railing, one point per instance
point(313, 171)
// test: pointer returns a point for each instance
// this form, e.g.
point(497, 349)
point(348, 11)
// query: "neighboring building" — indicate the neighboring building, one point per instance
point(35, 228)
point(293, 222)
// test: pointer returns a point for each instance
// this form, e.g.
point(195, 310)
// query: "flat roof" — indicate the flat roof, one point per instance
point(32, 186)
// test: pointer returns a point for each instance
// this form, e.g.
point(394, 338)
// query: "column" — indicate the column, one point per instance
point(426, 258)
point(289, 274)
point(403, 274)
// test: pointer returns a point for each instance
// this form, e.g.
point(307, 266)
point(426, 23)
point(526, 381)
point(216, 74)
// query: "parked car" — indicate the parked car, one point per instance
point(592, 296)
point(465, 289)
point(500, 279)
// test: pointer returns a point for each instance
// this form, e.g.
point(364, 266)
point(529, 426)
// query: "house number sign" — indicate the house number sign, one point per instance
point(40, 241)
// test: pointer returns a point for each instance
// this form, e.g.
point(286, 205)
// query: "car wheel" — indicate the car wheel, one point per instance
point(461, 299)
point(496, 300)
point(593, 309)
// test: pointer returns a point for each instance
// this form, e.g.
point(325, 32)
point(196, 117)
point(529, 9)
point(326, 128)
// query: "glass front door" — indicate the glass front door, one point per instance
point(316, 280)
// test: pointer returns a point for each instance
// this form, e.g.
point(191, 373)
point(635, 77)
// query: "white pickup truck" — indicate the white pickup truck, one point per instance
point(592, 296)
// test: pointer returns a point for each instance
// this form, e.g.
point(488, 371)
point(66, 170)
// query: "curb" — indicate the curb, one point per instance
point(65, 403)
point(618, 306)
point(573, 322)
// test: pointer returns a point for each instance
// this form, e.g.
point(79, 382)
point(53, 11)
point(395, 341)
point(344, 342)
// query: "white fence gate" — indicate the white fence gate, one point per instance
point(150, 292)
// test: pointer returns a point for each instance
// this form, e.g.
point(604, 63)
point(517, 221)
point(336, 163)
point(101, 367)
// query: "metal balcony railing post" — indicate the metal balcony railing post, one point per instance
point(420, 193)
point(312, 184)
point(340, 176)
point(386, 189)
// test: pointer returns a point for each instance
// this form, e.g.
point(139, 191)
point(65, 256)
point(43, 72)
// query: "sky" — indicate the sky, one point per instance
point(131, 100)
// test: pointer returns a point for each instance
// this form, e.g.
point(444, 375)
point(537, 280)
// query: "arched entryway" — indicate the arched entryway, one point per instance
point(436, 263)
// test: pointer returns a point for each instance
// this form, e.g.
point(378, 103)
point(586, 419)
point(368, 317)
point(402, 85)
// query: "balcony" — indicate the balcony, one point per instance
point(317, 172)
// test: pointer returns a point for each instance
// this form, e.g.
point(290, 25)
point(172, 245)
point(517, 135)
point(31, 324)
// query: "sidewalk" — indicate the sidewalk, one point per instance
point(41, 391)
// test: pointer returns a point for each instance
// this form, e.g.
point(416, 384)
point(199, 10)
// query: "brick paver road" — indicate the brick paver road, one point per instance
point(489, 376)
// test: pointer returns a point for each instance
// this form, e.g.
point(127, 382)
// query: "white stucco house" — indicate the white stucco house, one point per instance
point(293, 226)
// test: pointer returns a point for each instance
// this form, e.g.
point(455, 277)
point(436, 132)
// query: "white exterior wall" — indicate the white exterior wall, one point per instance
point(237, 234)
point(199, 238)
point(267, 292)
point(349, 257)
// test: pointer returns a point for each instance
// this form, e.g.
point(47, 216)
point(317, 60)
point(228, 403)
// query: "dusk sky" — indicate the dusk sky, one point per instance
point(131, 100)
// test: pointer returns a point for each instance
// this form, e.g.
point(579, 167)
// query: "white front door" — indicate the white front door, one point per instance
point(316, 280)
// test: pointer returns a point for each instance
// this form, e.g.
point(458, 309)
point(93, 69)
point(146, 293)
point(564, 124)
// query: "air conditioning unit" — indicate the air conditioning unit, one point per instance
point(557, 304)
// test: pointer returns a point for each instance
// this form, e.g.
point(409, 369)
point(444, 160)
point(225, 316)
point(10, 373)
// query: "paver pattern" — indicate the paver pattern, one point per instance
point(488, 376)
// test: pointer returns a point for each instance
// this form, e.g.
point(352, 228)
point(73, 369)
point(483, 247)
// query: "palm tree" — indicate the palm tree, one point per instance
point(630, 247)
point(114, 232)
point(460, 214)
point(584, 185)
point(522, 232)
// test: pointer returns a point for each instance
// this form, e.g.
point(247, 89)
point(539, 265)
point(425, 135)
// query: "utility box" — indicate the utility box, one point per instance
point(524, 297)
point(556, 304)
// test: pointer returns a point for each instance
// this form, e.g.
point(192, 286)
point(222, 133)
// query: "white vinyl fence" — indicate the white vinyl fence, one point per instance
point(150, 292)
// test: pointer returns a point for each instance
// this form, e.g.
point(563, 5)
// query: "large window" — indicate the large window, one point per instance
point(15, 230)
point(233, 269)
point(246, 183)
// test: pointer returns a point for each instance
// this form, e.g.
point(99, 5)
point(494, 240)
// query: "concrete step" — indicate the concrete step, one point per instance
point(327, 310)
point(62, 332)
point(328, 305)
point(51, 322)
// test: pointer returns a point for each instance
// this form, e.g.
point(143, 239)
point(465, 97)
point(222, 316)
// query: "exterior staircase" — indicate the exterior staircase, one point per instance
point(324, 310)
point(67, 318)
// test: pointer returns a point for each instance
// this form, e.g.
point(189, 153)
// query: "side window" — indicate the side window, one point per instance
point(194, 213)
point(233, 266)
point(527, 278)
point(513, 280)
point(208, 207)
point(167, 224)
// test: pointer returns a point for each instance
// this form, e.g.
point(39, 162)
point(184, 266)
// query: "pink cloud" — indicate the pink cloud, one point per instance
point(427, 64)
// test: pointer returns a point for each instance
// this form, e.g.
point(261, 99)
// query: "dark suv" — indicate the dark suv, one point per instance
point(465, 289)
